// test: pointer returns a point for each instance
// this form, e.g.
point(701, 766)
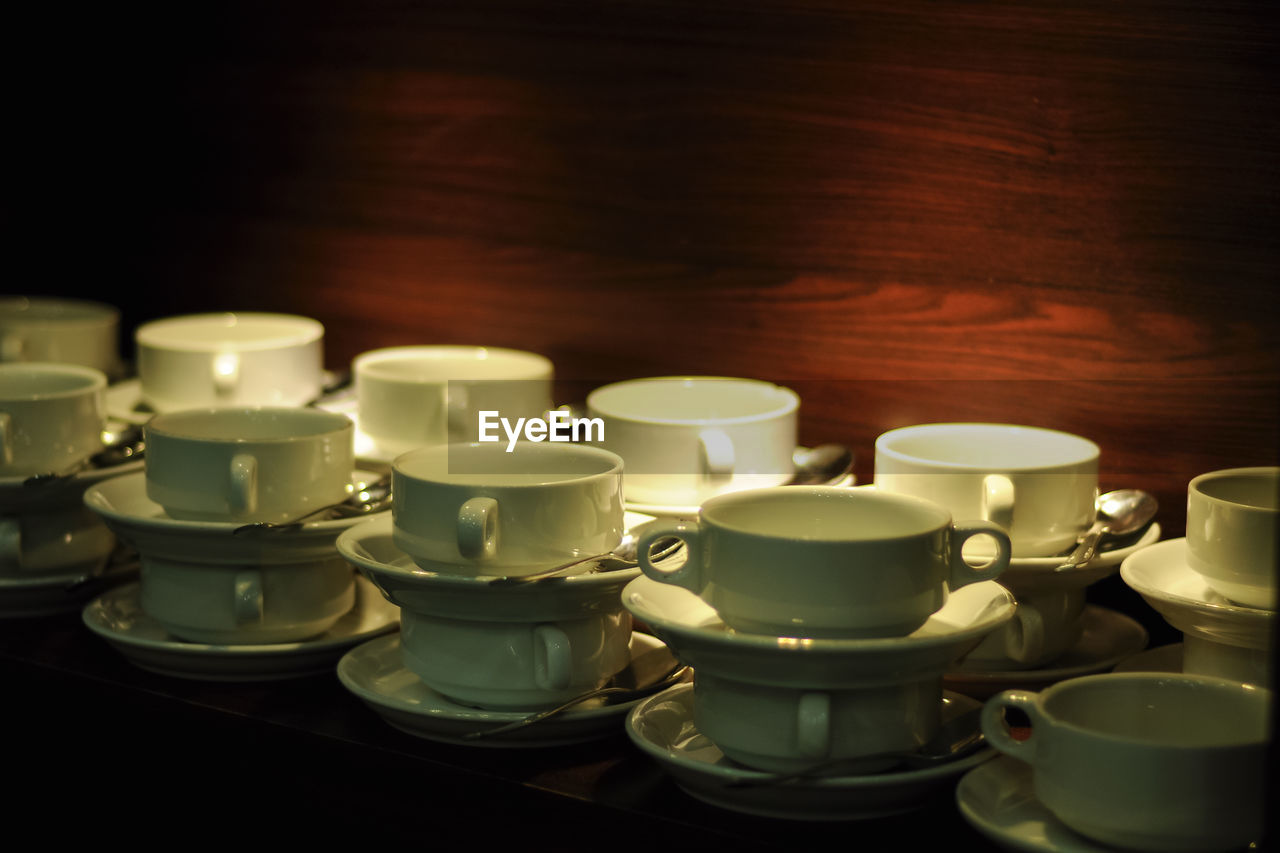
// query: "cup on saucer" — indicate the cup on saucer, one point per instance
point(248, 464)
point(823, 561)
point(1145, 761)
point(476, 509)
point(1039, 484)
point(689, 438)
point(51, 416)
point(230, 359)
point(418, 396)
point(66, 331)
point(1233, 527)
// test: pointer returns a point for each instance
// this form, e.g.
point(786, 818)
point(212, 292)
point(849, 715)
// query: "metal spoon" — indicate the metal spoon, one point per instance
point(825, 463)
point(634, 682)
point(956, 738)
point(374, 497)
point(621, 557)
point(1119, 513)
point(126, 446)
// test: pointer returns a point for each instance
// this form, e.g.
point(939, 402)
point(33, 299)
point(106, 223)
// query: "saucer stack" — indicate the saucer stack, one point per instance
point(819, 622)
point(479, 644)
point(219, 595)
point(1218, 585)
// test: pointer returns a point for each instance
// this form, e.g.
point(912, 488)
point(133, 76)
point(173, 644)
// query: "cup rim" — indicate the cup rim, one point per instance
point(790, 401)
point(96, 380)
point(157, 334)
point(1194, 488)
point(615, 463)
point(1187, 679)
point(939, 516)
point(1090, 451)
point(327, 423)
point(94, 314)
point(365, 365)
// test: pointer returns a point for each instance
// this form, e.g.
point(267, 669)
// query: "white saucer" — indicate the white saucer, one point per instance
point(1107, 638)
point(662, 726)
point(1160, 574)
point(1103, 563)
point(1166, 658)
point(46, 595)
point(691, 511)
point(375, 673)
point(998, 799)
point(118, 618)
point(698, 636)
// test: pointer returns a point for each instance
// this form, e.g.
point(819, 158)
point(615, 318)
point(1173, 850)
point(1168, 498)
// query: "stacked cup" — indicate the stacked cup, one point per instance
point(51, 422)
point(819, 620)
point(466, 514)
point(211, 472)
point(1038, 484)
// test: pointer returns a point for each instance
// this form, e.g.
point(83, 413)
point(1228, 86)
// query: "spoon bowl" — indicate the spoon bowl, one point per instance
point(1119, 513)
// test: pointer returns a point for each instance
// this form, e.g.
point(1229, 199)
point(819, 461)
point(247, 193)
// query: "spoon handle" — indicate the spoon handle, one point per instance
point(1088, 546)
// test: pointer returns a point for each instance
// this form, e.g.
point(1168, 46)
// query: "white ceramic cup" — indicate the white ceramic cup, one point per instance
point(784, 729)
point(689, 438)
point(66, 331)
point(248, 465)
point(1233, 523)
point(418, 396)
point(245, 602)
point(230, 359)
point(51, 416)
point(1145, 761)
point(1038, 484)
point(476, 509)
point(514, 664)
point(822, 561)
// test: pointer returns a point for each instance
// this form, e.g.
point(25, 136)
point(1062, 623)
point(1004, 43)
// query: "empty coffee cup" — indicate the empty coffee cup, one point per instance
point(689, 438)
point(477, 509)
point(1233, 524)
point(1145, 761)
point(51, 417)
point(419, 396)
point(248, 465)
point(230, 359)
point(66, 331)
point(1038, 484)
point(823, 561)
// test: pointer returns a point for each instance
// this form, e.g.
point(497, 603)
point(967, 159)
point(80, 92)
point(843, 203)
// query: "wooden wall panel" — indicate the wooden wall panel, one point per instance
point(1056, 213)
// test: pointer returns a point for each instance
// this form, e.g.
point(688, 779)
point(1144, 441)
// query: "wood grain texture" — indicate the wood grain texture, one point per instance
point(916, 210)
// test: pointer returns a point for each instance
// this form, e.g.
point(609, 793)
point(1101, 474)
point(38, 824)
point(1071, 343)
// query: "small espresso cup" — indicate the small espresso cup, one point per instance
point(476, 509)
point(66, 331)
point(823, 561)
point(689, 438)
point(419, 396)
point(51, 416)
point(230, 359)
point(1145, 761)
point(512, 664)
point(248, 464)
point(1038, 484)
point(1233, 522)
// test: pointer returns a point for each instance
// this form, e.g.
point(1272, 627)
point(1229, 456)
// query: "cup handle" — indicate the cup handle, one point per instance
point(717, 453)
point(455, 408)
point(997, 500)
point(690, 574)
point(813, 725)
point(1024, 635)
point(244, 484)
point(248, 598)
point(998, 734)
point(552, 656)
point(6, 438)
point(478, 529)
point(963, 574)
point(225, 372)
point(11, 543)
